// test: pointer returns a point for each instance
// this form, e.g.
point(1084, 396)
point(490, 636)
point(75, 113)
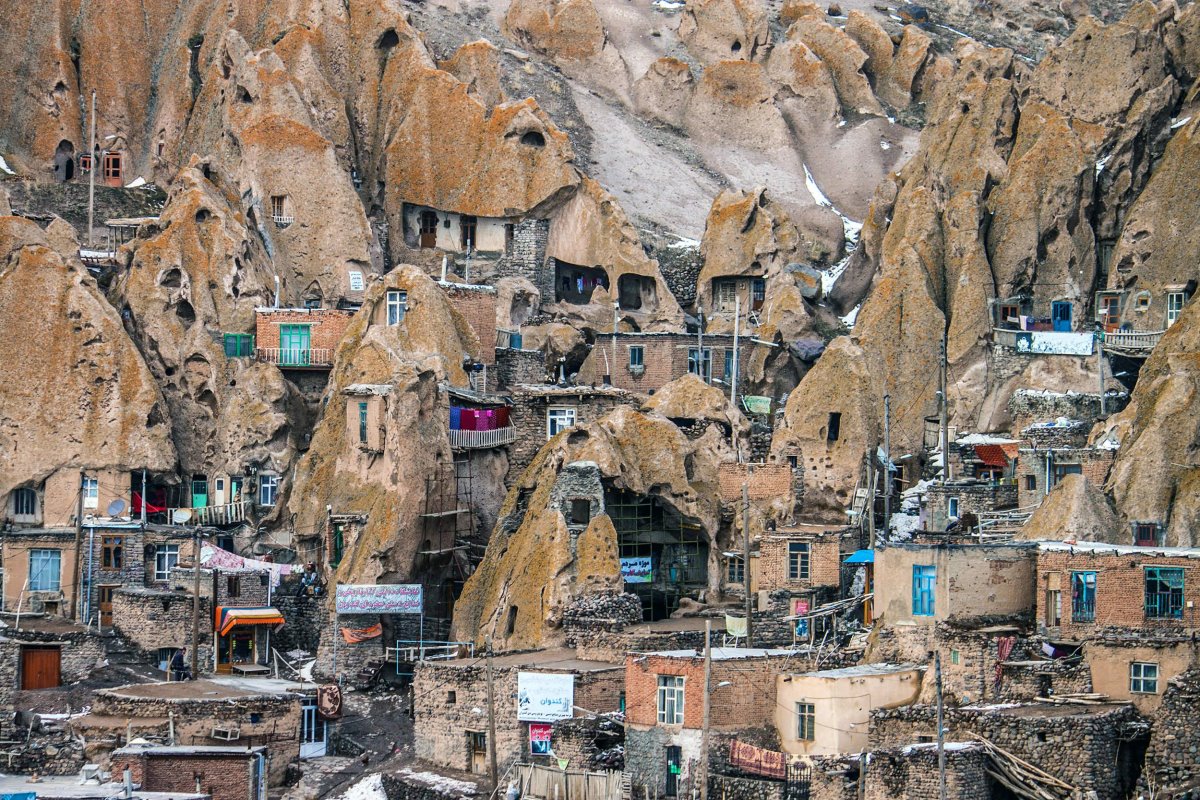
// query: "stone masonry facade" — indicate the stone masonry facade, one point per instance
point(528, 416)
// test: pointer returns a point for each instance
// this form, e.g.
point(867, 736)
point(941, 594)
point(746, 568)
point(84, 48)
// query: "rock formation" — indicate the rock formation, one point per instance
point(1074, 511)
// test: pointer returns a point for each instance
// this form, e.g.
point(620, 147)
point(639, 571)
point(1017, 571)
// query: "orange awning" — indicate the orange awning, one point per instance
point(230, 618)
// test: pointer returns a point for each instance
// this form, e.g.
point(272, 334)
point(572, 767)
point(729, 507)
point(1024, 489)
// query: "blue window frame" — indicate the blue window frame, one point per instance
point(924, 581)
point(1164, 592)
point(362, 422)
point(1083, 596)
point(45, 570)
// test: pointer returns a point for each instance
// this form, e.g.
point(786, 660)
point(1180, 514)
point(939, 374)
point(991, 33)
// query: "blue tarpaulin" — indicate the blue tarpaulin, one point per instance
point(861, 557)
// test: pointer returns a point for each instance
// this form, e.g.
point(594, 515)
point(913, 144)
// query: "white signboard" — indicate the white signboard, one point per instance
point(390, 598)
point(637, 569)
point(545, 696)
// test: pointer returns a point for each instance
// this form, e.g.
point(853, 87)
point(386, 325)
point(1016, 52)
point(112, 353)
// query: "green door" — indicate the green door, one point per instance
point(199, 491)
point(294, 345)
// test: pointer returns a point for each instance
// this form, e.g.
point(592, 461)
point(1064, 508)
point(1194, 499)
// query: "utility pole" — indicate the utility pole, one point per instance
point(143, 498)
point(92, 174)
point(612, 370)
point(491, 735)
point(196, 603)
point(733, 378)
point(941, 728)
point(887, 467)
point(700, 348)
point(746, 561)
point(943, 424)
point(75, 599)
point(707, 710)
point(1100, 369)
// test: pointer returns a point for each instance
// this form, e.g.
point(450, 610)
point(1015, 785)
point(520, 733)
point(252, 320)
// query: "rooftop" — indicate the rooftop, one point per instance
point(222, 687)
point(188, 750)
point(724, 653)
point(861, 671)
point(1118, 549)
point(68, 786)
point(559, 659)
point(550, 390)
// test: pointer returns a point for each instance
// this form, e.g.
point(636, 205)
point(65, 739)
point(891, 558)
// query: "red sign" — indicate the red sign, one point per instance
point(539, 738)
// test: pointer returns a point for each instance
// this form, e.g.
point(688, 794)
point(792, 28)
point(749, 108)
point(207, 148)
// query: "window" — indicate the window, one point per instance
point(1083, 596)
point(1164, 592)
point(397, 305)
point(736, 570)
point(1010, 313)
point(923, 582)
point(452, 697)
point(45, 570)
point(581, 511)
point(281, 212)
point(112, 552)
point(468, 227)
point(511, 626)
point(312, 303)
point(25, 503)
point(478, 741)
point(1030, 483)
point(952, 507)
point(698, 365)
point(834, 431)
point(112, 166)
point(268, 490)
point(793, 461)
point(85, 163)
point(166, 557)
point(1143, 678)
point(1175, 301)
point(728, 373)
point(726, 292)
point(339, 545)
point(559, 419)
point(1053, 608)
point(955, 657)
point(239, 345)
point(637, 356)
point(758, 293)
point(91, 492)
point(670, 699)
point(233, 585)
point(1142, 301)
point(362, 422)
point(356, 280)
point(1104, 253)
point(1147, 534)
point(798, 561)
point(806, 722)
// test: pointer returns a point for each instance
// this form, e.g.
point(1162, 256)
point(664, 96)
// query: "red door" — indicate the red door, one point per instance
point(41, 667)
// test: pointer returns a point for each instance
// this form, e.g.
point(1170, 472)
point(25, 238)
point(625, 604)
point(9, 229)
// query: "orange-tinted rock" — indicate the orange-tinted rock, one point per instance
point(567, 29)
point(721, 30)
point(477, 64)
point(895, 85)
point(874, 41)
point(845, 60)
point(734, 101)
point(801, 74)
point(664, 92)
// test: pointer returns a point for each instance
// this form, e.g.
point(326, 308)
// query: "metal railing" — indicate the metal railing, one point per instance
point(295, 356)
point(1132, 340)
point(282, 220)
point(470, 440)
point(227, 514)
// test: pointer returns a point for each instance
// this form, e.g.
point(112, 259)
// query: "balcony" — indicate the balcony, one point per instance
point(228, 514)
point(296, 358)
point(1039, 343)
point(479, 440)
point(1132, 343)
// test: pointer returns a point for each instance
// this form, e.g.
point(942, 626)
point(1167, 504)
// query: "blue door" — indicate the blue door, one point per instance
point(1060, 315)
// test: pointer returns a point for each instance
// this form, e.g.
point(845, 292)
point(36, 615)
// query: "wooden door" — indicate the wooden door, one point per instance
point(429, 222)
point(41, 667)
point(106, 604)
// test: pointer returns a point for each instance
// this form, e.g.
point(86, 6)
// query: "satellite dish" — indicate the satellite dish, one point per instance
point(116, 507)
point(181, 515)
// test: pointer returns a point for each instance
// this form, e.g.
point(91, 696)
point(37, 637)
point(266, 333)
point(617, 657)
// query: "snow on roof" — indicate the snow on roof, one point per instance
point(950, 747)
point(470, 287)
point(983, 438)
point(723, 653)
point(369, 788)
point(1117, 549)
point(438, 782)
point(862, 670)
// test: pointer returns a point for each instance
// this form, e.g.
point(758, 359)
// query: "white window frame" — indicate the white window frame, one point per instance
point(39, 573)
point(670, 699)
point(726, 291)
point(397, 306)
point(166, 558)
point(799, 561)
point(91, 492)
point(1174, 311)
point(268, 483)
point(701, 360)
point(1143, 674)
point(355, 278)
point(556, 416)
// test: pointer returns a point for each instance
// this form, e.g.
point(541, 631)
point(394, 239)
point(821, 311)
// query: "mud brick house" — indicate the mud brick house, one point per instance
point(664, 709)
point(223, 772)
point(1134, 607)
point(962, 501)
point(56, 501)
point(532, 691)
point(44, 652)
point(645, 362)
point(299, 338)
point(803, 559)
point(477, 304)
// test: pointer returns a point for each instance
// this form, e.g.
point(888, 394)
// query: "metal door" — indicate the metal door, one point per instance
point(674, 767)
point(312, 733)
point(199, 491)
point(799, 783)
point(41, 667)
point(1060, 316)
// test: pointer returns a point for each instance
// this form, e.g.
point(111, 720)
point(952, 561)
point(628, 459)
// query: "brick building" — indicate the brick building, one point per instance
point(450, 720)
point(664, 708)
point(645, 362)
point(477, 304)
point(222, 772)
point(803, 559)
point(299, 338)
point(763, 481)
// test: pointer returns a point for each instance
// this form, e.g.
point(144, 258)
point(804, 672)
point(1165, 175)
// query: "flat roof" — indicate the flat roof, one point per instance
point(189, 750)
point(723, 653)
point(561, 659)
point(68, 786)
point(1058, 710)
point(552, 390)
point(860, 670)
point(1118, 549)
point(221, 687)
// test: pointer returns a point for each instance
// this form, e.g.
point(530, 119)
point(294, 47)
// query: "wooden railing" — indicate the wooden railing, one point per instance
point(315, 357)
point(470, 440)
point(227, 514)
point(1143, 341)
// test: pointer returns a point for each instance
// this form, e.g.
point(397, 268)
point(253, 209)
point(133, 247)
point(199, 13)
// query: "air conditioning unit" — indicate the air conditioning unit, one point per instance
point(226, 734)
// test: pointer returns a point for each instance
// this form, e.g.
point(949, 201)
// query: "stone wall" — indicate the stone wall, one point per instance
point(680, 267)
point(337, 658)
point(587, 743)
point(526, 257)
point(664, 358)
point(1171, 765)
point(306, 618)
point(646, 763)
point(150, 619)
point(516, 367)
point(1028, 406)
point(406, 784)
point(528, 416)
point(611, 643)
point(1031, 470)
point(912, 773)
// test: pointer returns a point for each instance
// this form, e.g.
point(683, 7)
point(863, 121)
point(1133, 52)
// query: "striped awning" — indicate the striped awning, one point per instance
point(229, 618)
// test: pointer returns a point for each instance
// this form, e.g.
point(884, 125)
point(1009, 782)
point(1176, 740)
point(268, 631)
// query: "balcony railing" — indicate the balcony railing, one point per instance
point(312, 358)
point(472, 440)
point(228, 514)
point(1140, 342)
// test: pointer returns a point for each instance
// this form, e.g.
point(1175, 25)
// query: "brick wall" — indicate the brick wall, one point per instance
point(478, 307)
point(528, 416)
point(764, 481)
point(224, 776)
point(824, 561)
point(1120, 590)
point(664, 358)
point(328, 325)
point(748, 700)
